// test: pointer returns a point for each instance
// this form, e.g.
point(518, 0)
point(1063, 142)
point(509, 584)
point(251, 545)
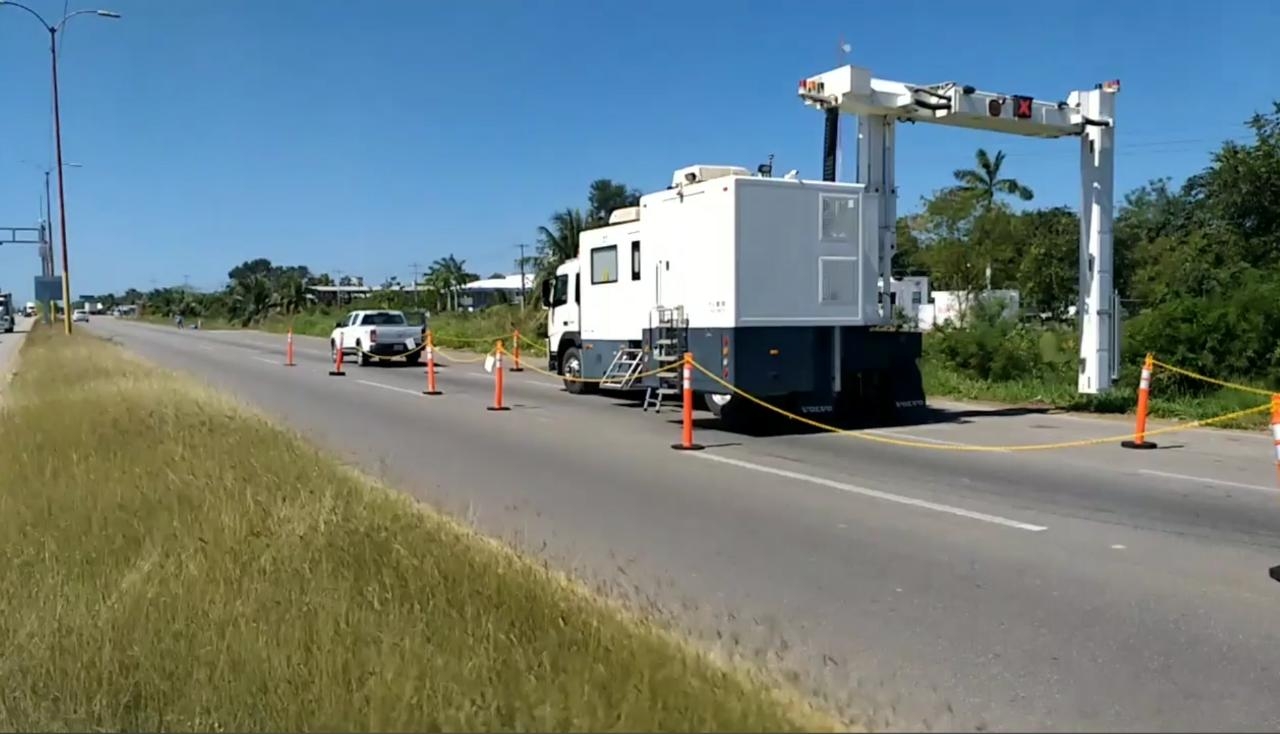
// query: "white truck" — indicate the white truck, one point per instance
point(772, 283)
point(364, 334)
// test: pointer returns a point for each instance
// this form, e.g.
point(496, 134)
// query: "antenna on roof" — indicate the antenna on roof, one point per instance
point(766, 169)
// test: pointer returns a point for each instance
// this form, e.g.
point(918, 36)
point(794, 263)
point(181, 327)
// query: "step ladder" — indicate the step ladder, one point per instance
point(670, 334)
point(626, 364)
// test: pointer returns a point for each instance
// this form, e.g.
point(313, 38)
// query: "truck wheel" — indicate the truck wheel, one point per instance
point(364, 358)
point(571, 366)
point(739, 414)
point(413, 358)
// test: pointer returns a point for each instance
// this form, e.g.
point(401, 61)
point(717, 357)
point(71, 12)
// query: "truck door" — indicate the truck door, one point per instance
point(562, 301)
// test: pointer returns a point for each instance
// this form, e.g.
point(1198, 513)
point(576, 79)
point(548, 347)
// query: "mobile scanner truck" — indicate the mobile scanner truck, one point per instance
point(773, 284)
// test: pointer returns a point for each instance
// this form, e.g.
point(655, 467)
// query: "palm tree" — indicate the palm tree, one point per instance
point(251, 299)
point(290, 296)
point(559, 241)
point(984, 182)
point(446, 275)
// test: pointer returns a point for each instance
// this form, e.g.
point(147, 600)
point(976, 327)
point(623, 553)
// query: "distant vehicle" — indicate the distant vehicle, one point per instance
point(29, 310)
point(381, 333)
point(6, 313)
point(80, 315)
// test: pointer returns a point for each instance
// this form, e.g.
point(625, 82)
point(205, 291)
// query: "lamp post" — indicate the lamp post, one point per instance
point(57, 137)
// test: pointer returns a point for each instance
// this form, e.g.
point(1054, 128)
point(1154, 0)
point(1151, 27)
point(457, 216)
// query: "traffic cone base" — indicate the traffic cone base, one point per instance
point(1139, 444)
point(690, 447)
point(497, 407)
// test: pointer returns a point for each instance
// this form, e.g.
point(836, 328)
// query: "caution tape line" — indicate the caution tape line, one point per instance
point(974, 447)
point(1213, 381)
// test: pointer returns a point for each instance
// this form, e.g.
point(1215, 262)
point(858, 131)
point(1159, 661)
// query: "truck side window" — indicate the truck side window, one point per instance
point(577, 287)
point(560, 293)
point(604, 265)
point(635, 260)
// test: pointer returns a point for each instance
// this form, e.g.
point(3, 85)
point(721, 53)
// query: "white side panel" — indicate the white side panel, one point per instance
point(800, 260)
point(617, 307)
point(692, 236)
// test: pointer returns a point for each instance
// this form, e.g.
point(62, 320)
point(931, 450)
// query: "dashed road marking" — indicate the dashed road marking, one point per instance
point(877, 494)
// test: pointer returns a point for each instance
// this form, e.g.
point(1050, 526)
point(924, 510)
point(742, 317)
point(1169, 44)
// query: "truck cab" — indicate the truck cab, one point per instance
point(560, 296)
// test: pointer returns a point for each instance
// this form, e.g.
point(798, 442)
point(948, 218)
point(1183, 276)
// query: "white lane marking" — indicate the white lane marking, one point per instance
point(912, 437)
point(391, 387)
point(267, 361)
point(854, 489)
point(1117, 546)
point(1223, 482)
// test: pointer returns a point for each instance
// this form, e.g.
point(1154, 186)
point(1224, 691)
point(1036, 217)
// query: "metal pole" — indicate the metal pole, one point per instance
point(46, 257)
point(62, 199)
point(523, 296)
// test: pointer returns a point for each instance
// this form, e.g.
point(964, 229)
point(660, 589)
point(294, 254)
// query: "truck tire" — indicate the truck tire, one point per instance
point(413, 358)
point(739, 414)
point(361, 356)
point(571, 366)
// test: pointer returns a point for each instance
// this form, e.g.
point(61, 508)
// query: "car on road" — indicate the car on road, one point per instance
point(369, 334)
point(80, 315)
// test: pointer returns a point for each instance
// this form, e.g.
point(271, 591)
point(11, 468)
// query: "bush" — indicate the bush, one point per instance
point(990, 346)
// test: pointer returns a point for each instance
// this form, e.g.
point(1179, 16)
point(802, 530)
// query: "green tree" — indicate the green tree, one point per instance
point(603, 197)
point(984, 182)
point(1048, 271)
point(558, 241)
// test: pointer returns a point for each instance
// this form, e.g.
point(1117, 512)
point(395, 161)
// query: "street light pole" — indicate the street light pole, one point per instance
point(62, 198)
point(57, 137)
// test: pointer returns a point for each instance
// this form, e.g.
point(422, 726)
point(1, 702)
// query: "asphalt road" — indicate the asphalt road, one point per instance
point(1089, 588)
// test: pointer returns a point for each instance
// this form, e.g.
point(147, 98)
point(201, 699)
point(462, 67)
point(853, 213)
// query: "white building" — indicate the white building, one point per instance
point(489, 291)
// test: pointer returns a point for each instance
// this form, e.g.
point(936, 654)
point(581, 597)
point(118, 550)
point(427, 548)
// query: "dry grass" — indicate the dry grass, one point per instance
point(170, 560)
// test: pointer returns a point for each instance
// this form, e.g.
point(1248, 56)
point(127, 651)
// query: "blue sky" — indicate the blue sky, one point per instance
point(366, 136)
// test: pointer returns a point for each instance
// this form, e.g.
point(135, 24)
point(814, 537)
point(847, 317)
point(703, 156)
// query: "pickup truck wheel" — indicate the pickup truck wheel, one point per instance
point(571, 366)
point(413, 358)
point(364, 358)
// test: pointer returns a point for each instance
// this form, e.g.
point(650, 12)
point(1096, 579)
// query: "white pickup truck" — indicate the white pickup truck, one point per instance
point(380, 333)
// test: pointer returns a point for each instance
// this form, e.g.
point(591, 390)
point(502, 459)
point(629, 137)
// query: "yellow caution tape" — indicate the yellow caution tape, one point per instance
point(973, 447)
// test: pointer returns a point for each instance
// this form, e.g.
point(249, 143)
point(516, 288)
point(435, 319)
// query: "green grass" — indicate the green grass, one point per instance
point(1170, 399)
point(476, 330)
point(171, 560)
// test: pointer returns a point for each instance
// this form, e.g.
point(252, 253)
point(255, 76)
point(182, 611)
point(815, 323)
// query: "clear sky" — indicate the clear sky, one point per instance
point(365, 136)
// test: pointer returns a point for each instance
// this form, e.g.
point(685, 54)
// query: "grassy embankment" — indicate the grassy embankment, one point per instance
point(1170, 398)
point(171, 560)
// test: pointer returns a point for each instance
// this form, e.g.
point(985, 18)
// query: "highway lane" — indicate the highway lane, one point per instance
point(1050, 591)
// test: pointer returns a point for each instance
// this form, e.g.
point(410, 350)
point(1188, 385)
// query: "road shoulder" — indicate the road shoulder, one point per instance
point(10, 345)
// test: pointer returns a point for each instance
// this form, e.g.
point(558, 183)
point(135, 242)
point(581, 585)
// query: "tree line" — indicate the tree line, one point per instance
point(1197, 264)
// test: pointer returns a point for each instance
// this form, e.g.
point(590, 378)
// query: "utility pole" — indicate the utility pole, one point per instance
point(46, 250)
point(417, 268)
point(523, 295)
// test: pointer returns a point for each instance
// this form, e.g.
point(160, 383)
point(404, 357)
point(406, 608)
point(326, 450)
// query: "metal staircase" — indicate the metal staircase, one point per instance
point(670, 334)
point(626, 364)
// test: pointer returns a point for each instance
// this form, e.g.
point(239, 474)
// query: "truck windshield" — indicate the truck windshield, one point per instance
point(383, 319)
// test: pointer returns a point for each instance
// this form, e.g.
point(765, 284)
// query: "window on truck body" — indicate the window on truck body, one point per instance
point(604, 265)
point(838, 218)
point(635, 259)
